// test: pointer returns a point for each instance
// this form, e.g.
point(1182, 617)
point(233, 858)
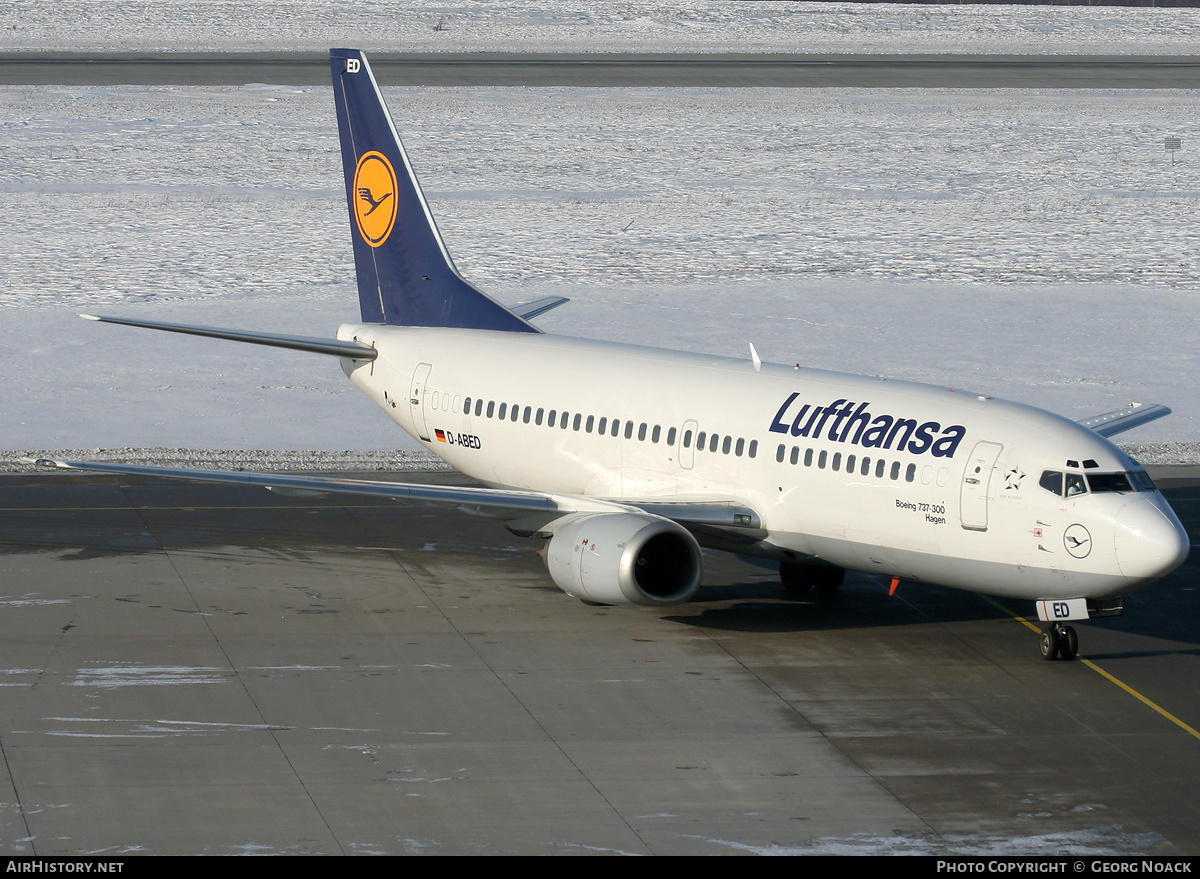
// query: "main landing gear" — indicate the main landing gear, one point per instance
point(798, 577)
point(1059, 641)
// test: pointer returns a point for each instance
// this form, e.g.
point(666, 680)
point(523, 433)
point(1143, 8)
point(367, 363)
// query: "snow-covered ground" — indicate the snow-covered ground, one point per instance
point(1039, 246)
point(591, 26)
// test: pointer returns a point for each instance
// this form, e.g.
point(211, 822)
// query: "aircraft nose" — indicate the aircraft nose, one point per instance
point(1150, 541)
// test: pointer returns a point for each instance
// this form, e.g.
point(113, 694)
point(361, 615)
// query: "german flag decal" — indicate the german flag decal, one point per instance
point(440, 434)
point(375, 198)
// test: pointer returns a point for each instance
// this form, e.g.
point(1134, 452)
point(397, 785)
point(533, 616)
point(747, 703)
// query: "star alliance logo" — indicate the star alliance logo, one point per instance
point(1012, 479)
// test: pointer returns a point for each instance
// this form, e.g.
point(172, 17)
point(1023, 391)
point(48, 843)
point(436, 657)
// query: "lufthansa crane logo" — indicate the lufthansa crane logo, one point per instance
point(1078, 541)
point(375, 198)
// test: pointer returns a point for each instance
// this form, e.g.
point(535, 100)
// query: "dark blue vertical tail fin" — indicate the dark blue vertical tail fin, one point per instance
point(405, 274)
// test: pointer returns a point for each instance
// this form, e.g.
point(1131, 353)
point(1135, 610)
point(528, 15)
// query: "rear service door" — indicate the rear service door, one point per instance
point(416, 399)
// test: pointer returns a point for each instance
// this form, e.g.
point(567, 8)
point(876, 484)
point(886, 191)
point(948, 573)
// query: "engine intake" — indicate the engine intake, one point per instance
point(625, 558)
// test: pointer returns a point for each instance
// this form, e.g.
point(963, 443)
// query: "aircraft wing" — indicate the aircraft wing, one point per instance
point(1121, 420)
point(501, 503)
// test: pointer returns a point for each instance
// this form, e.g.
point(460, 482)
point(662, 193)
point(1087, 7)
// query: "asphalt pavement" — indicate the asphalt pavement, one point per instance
point(199, 669)
point(610, 70)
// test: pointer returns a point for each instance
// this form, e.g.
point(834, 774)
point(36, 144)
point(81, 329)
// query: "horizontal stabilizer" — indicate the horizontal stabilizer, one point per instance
point(530, 310)
point(335, 347)
point(1121, 420)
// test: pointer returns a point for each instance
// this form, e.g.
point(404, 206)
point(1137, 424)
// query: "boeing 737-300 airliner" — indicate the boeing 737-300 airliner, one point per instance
point(667, 451)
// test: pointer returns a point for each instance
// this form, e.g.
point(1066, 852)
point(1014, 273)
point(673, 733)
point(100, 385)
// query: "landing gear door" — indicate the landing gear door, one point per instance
point(416, 399)
point(976, 485)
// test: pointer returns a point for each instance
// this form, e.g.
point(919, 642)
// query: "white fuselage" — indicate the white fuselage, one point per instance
point(869, 474)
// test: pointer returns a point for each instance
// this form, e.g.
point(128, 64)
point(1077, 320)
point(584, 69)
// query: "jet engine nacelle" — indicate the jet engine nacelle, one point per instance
point(625, 558)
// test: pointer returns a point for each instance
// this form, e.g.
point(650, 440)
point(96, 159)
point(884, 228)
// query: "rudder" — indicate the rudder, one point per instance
point(405, 274)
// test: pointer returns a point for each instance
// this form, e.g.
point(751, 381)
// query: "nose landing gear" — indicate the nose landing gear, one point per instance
point(1059, 641)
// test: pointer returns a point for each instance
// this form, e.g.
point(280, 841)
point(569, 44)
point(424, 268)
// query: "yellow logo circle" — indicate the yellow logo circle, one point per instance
point(375, 198)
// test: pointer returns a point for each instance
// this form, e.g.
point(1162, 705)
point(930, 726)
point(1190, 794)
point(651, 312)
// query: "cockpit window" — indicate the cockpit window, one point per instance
point(1109, 482)
point(1052, 481)
point(1074, 484)
point(1141, 480)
